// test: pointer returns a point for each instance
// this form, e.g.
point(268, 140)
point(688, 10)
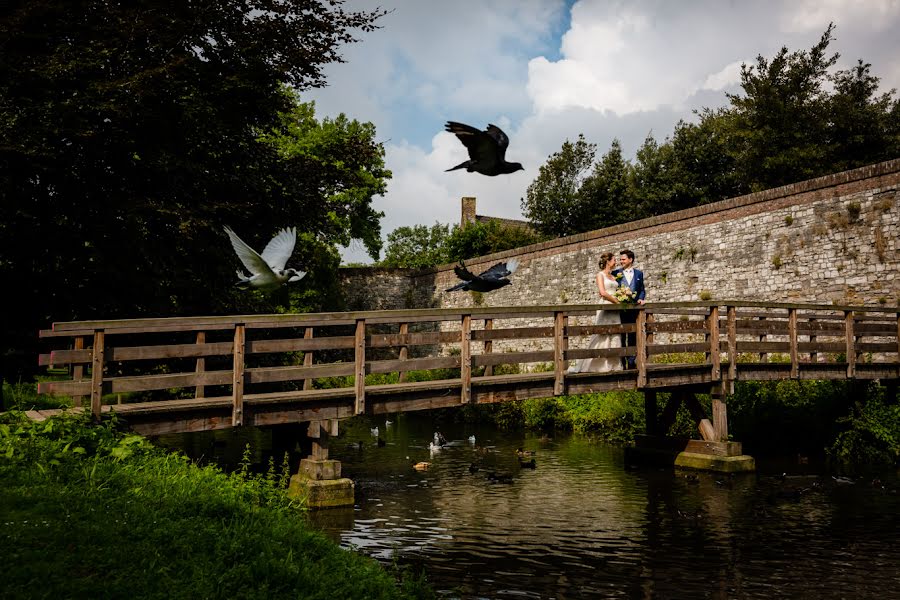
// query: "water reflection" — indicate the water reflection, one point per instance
point(581, 524)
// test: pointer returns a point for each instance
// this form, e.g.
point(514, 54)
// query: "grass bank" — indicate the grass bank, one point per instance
point(93, 512)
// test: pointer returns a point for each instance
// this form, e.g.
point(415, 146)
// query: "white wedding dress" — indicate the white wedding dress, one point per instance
point(602, 364)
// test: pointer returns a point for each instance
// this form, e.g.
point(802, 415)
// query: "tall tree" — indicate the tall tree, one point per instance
point(606, 192)
point(416, 247)
point(553, 202)
point(131, 132)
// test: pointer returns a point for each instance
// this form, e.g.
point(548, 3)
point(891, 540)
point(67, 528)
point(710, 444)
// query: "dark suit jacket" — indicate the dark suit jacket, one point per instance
point(637, 282)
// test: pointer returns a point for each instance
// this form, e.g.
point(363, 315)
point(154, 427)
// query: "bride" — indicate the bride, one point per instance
point(606, 286)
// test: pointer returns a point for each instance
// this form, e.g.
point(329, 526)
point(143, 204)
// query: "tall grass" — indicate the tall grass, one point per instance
point(91, 512)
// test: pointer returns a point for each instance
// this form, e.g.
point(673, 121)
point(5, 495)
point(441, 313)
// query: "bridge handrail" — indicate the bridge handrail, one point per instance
point(706, 330)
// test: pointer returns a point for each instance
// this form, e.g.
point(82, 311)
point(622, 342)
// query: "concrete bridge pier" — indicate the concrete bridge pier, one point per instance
point(318, 482)
point(714, 452)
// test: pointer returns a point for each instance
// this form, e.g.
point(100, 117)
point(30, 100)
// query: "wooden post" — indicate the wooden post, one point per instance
point(359, 369)
point(78, 371)
point(320, 432)
point(559, 352)
point(792, 336)
point(763, 356)
point(488, 345)
point(404, 351)
point(237, 382)
point(898, 344)
point(670, 411)
point(851, 344)
point(641, 349)
point(732, 345)
point(712, 338)
point(465, 359)
point(650, 412)
point(813, 355)
point(97, 361)
point(307, 357)
point(200, 389)
point(650, 320)
point(719, 414)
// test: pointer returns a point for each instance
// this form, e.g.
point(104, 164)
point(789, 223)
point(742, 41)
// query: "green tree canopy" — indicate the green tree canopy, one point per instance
point(416, 247)
point(131, 132)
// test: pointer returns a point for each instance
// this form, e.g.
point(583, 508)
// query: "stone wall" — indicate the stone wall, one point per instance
point(830, 240)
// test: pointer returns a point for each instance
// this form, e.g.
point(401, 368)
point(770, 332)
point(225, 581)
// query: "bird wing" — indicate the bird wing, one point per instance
point(252, 261)
point(463, 273)
point(279, 250)
point(501, 138)
point(500, 270)
point(482, 145)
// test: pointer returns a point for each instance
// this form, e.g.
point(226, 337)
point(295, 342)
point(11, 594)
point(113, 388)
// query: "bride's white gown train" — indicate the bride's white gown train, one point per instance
point(604, 317)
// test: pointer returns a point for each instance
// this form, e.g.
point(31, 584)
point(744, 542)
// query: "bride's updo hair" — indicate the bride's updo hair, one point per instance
point(605, 258)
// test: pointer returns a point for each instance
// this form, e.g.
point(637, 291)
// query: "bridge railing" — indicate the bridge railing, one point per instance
point(425, 358)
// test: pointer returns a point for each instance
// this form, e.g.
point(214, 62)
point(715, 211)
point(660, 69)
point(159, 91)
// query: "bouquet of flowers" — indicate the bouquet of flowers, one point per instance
point(625, 294)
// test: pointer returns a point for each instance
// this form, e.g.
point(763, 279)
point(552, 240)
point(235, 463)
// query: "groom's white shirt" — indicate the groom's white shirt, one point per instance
point(629, 275)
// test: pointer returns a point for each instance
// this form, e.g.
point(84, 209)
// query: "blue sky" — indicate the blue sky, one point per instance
point(546, 70)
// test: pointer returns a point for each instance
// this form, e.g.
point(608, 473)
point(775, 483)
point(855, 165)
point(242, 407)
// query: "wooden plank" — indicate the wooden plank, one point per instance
point(815, 347)
point(763, 348)
point(586, 330)
point(488, 346)
point(579, 353)
point(678, 327)
point(792, 341)
point(428, 338)
point(78, 371)
point(670, 411)
point(762, 340)
point(413, 364)
point(308, 358)
point(359, 371)
point(712, 337)
point(465, 359)
point(559, 352)
point(514, 333)
point(640, 359)
point(200, 366)
point(707, 431)
point(237, 385)
point(678, 348)
point(404, 351)
point(850, 347)
point(512, 358)
point(304, 344)
point(97, 363)
point(876, 347)
point(297, 372)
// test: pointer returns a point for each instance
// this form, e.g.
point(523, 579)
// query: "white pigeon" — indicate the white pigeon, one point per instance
point(267, 271)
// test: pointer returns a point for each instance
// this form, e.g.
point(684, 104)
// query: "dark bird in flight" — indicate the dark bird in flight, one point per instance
point(487, 149)
point(492, 279)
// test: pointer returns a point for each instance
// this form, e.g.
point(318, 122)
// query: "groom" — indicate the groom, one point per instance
point(635, 280)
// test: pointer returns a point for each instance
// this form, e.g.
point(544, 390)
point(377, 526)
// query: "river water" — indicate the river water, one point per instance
point(583, 524)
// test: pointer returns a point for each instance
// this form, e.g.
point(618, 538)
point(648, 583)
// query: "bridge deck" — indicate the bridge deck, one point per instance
point(192, 374)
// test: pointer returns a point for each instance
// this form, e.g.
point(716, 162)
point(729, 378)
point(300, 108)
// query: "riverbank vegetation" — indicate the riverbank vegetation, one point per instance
point(90, 511)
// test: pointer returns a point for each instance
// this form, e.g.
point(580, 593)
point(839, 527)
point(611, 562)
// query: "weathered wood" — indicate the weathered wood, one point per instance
point(762, 339)
point(670, 411)
point(851, 344)
point(509, 358)
point(488, 346)
point(413, 364)
point(200, 366)
point(640, 359)
point(586, 330)
point(78, 371)
point(712, 337)
point(97, 364)
point(678, 327)
point(465, 359)
point(428, 338)
point(579, 353)
point(719, 413)
point(559, 353)
point(792, 340)
point(678, 348)
point(515, 333)
point(403, 354)
point(237, 385)
point(308, 357)
point(359, 370)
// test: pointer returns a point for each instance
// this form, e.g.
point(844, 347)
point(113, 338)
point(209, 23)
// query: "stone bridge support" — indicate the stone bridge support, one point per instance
point(318, 482)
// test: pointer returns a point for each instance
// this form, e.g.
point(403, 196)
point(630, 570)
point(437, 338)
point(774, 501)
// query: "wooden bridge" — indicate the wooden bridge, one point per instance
point(201, 373)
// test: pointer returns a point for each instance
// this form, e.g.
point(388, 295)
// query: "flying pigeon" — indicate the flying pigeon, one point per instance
point(267, 271)
point(492, 279)
point(487, 149)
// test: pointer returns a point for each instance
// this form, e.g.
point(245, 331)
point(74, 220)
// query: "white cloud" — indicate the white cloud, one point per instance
point(730, 75)
point(805, 16)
